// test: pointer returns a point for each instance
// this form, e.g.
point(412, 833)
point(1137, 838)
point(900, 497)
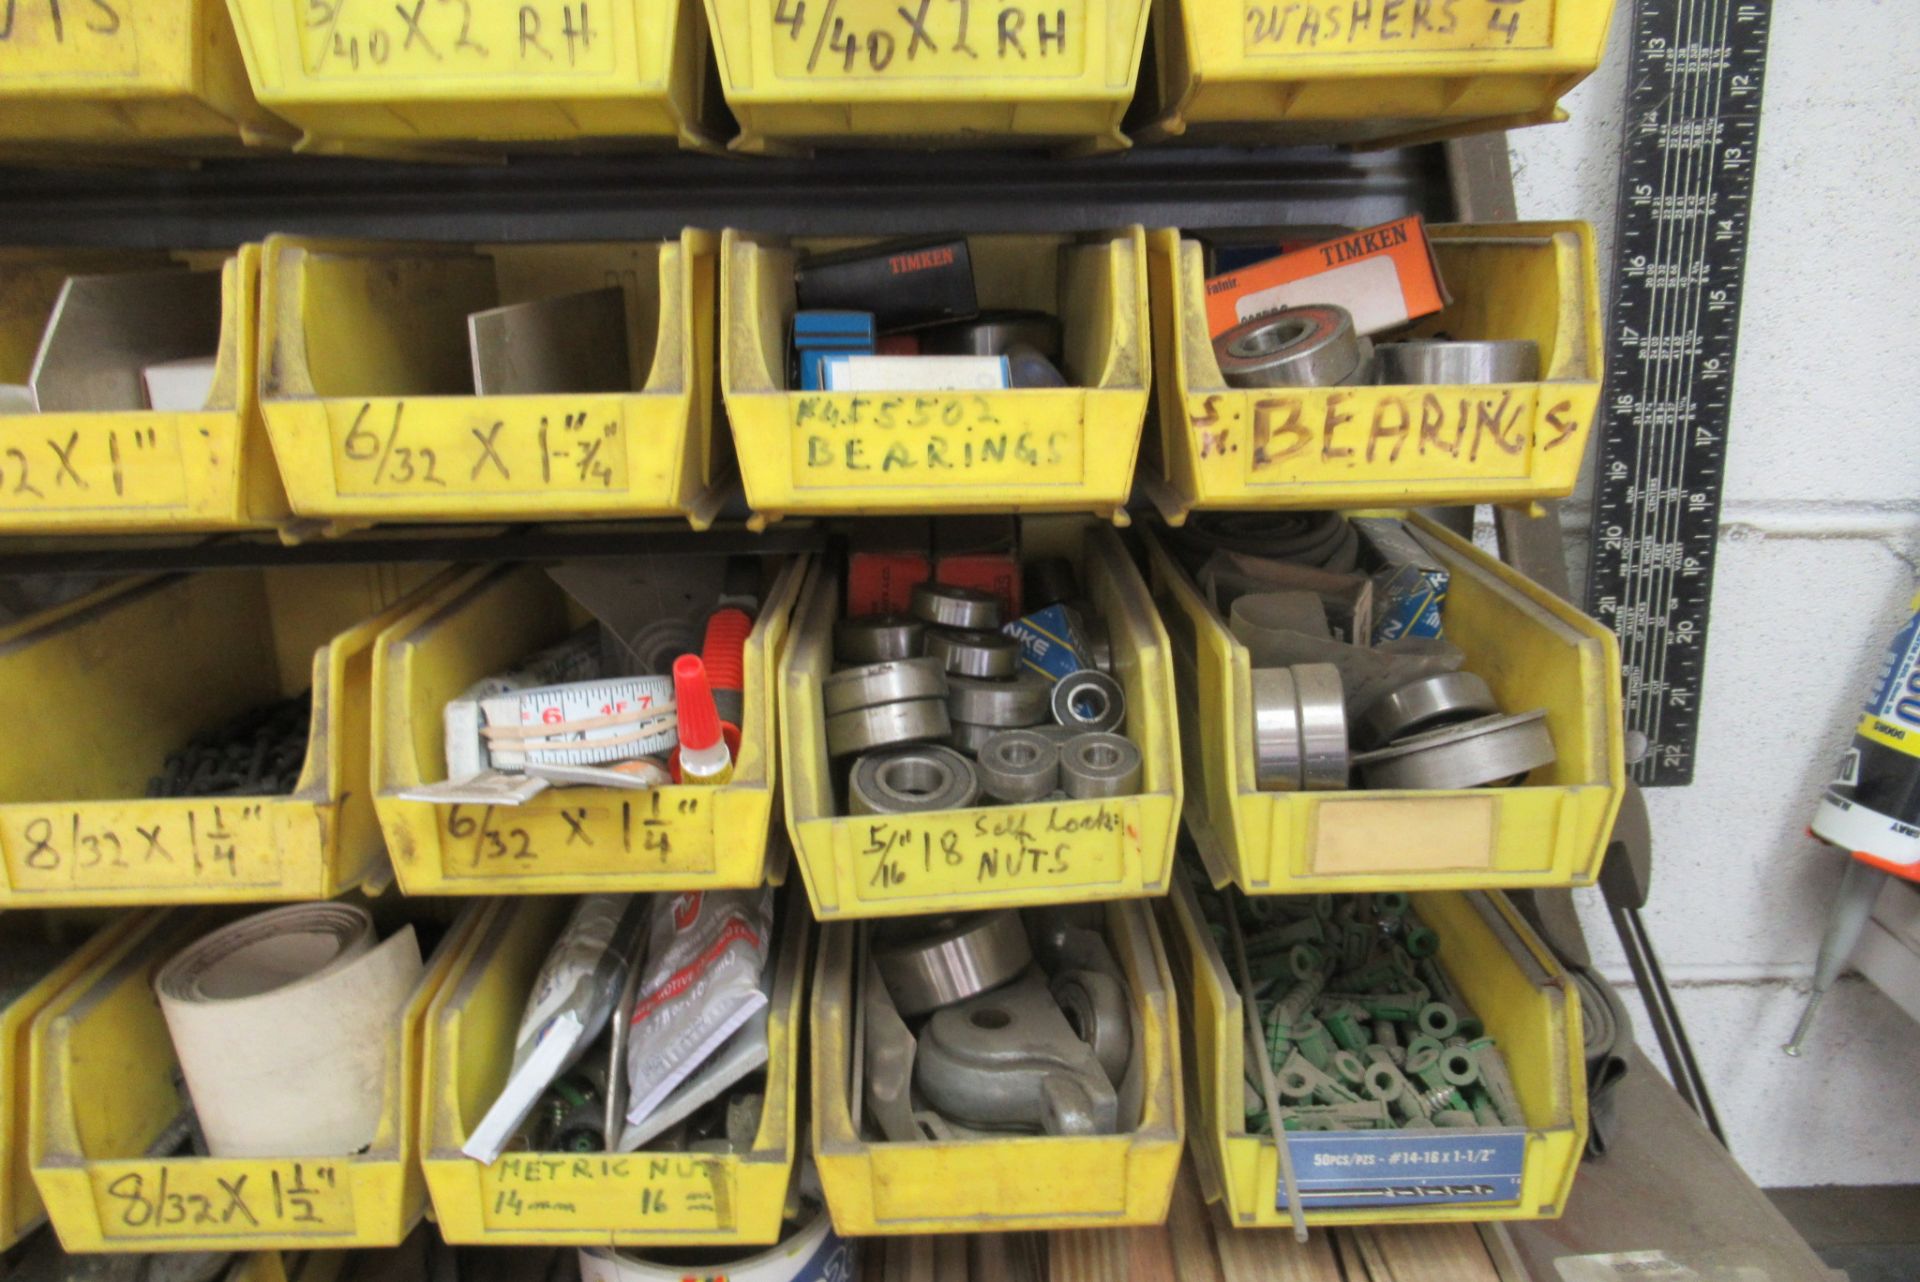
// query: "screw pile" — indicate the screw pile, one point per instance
point(258, 753)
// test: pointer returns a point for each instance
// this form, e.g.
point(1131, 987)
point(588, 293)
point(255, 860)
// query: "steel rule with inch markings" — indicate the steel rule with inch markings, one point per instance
point(1686, 188)
point(584, 723)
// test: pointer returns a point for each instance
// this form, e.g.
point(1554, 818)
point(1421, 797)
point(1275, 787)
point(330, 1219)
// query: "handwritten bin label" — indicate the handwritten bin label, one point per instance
point(94, 38)
point(611, 1192)
point(48, 466)
point(1396, 26)
point(581, 830)
point(141, 846)
point(1073, 843)
point(957, 438)
point(929, 39)
point(420, 39)
point(207, 1197)
point(512, 447)
point(1281, 436)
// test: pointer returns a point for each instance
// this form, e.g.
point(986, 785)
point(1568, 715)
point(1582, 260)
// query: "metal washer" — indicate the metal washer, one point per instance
point(1426, 704)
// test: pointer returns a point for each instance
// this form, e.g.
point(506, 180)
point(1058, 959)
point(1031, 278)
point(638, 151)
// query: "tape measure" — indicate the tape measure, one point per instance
point(1686, 185)
point(581, 723)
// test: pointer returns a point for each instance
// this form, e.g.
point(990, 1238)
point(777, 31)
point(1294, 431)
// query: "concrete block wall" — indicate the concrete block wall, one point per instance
point(1819, 553)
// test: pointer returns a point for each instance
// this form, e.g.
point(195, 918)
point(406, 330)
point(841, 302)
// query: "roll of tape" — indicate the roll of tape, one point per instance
point(1425, 704)
point(1310, 346)
point(1477, 361)
point(875, 638)
point(864, 729)
point(894, 681)
point(970, 653)
point(284, 1023)
point(930, 962)
point(1089, 701)
point(813, 1252)
point(1323, 726)
point(1021, 701)
point(1471, 754)
point(904, 781)
point(948, 605)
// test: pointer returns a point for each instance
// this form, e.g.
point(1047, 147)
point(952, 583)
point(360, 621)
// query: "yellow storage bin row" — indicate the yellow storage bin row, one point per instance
point(579, 838)
point(1377, 75)
point(1504, 973)
point(595, 1199)
point(109, 684)
point(989, 856)
point(1227, 447)
point(1018, 1183)
point(441, 79)
point(354, 356)
point(104, 1091)
point(367, 384)
point(1028, 450)
point(1533, 650)
point(150, 470)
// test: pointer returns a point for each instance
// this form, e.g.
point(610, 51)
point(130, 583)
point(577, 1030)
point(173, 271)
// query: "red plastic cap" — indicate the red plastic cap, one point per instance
point(699, 719)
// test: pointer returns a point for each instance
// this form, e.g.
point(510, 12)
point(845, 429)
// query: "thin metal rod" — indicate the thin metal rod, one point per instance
point(1269, 1089)
point(1677, 1048)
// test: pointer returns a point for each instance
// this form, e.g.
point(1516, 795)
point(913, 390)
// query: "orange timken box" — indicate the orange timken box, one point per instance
point(1385, 276)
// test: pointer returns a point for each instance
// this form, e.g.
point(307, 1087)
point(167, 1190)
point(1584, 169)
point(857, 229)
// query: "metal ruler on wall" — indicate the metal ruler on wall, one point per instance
point(1686, 192)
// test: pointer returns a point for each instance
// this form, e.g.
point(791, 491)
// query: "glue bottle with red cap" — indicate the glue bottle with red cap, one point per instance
point(704, 757)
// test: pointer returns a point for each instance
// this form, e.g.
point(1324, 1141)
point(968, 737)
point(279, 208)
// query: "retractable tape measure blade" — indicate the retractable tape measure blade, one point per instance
point(1688, 144)
point(586, 723)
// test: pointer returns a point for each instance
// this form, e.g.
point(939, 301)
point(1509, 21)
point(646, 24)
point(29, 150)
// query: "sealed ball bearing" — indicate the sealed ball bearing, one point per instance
point(1089, 701)
point(1019, 765)
point(903, 781)
point(1021, 701)
point(1099, 765)
point(875, 638)
point(1311, 346)
point(973, 653)
point(895, 681)
point(948, 605)
point(864, 729)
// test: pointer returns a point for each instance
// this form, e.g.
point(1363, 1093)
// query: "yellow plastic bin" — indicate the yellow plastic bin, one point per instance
point(83, 941)
point(104, 1090)
point(645, 1198)
point(566, 840)
point(1377, 74)
point(1068, 449)
point(989, 856)
point(367, 384)
point(135, 470)
point(113, 682)
point(1510, 980)
point(1227, 447)
point(1534, 651)
point(113, 75)
point(928, 73)
point(1019, 1183)
point(399, 79)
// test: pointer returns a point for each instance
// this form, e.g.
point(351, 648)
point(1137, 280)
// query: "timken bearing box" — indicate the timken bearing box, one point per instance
point(1385, 276)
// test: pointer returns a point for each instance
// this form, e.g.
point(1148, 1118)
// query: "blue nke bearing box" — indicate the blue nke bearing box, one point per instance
point(1051, 642)
point(1410, 588)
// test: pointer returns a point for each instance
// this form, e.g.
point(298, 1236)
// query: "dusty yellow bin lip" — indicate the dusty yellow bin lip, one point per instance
point(139, 471)
point(361, 459)
point(931, 75)
point(1028, 450)
point(1512, 982)
point(473, 77)
point(100, 1203)
point(114, 76)
point(568, 840)
point(315, 842)
point(996, 856)
point(1018, 1184)
point(645, 1198)
point(1369, 446)
point(21, 1210)
point(1536, 651)
point(1297, 74)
